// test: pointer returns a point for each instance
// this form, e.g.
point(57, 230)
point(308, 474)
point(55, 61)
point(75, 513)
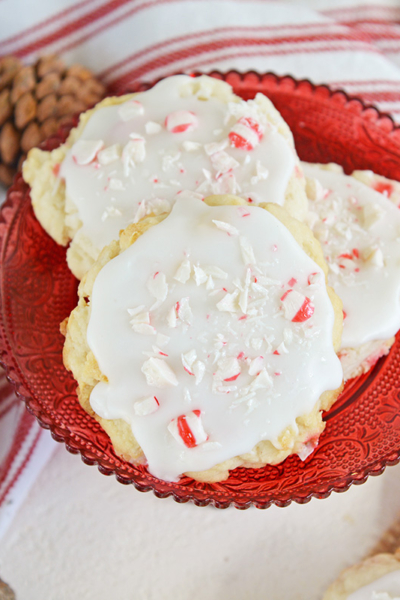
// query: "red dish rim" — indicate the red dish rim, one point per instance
point(16, 378)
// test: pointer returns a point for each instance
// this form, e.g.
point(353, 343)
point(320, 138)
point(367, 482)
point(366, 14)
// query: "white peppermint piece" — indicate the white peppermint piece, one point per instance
point(198, 369)
point(84, 151)
point(305, 451)
point(261, 170)
point(135, 311)
point(256, 343)
point(189, 195)
point(311, 219)
point(157, 286)
point(210, 283)
point(371, 214)
point(314, 189)
point(111, 211)
point(162, 340)
point(282, 348)
point(186, 395)
point(171, 318)
point(158, 206)
point(191, 146)
point(143, 328)
point(261, 381)
point(130, 109)
point(315, 279)
point(247, 251)
point(374, 256)
point(199, 275)
point(141, 212)
point(146, 406)
point(223, 162)
point(215, 147)
point(151, 127)
point(180, 121)
point(334, 268)
point(228, 369)
point(226, 227)
point(228, 302)
point(140, 323)
point(259, 289)
point(211, 446)
point(256, 365)
point(116, 184)
point(215, 272)
point(109, 155)
point(134, 152)
point(158, 373)
point(188, 359)
point(183, 272)
point(244, 300)
point(287, 336)
point(169, 161)
point(184, 311)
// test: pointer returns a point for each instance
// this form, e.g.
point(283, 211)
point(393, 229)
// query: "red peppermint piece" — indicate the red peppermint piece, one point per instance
point(188, 429)
point(181, 121)
point(292, 282)
point(232, 378)
point(297, 308)
point(246, 134)
point(384, 188)
point(305, 312)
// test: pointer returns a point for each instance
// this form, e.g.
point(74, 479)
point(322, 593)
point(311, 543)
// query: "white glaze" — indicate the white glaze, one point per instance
point(279, 387)
point(348, 215)
point(384, 588)
point(144, 160)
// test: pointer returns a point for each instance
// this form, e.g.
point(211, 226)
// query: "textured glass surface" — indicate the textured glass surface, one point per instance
point(37, 292)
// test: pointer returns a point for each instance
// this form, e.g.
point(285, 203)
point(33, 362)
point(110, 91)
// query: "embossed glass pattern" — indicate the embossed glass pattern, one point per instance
point(37, 292)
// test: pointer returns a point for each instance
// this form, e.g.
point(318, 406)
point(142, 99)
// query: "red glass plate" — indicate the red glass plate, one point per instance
point(37, 292)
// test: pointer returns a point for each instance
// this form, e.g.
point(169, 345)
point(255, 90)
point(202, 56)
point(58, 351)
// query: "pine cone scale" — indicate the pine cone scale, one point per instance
point(5, 106)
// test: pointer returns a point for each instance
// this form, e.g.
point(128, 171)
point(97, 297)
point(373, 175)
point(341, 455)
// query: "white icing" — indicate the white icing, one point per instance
point(219, 357)
point(359, 231)
point(136, 145)
point(386, 587)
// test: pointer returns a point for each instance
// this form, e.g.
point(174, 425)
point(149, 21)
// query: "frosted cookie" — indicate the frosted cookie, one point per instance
point(134, 155)
point(208, 341)
point(376, 578)
point(359, 231)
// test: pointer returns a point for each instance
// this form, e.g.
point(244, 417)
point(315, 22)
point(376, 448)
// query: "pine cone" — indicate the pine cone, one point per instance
point(35, 100)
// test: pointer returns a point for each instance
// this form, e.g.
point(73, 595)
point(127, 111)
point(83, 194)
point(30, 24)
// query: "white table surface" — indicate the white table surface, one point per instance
point(81, 535)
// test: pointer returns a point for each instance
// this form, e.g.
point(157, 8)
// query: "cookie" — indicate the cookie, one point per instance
point(206, 339)
point(359, 231)
point(134, 155)
point(376, 578)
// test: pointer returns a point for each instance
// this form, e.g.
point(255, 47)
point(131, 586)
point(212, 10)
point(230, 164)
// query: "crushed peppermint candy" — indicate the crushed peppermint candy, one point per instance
point(188, 429)
point(130, 109)
point(146, 406)
point(158, 373)
point(230, 229)
point(297, 308)
point(181, 121)
point(85, 151)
